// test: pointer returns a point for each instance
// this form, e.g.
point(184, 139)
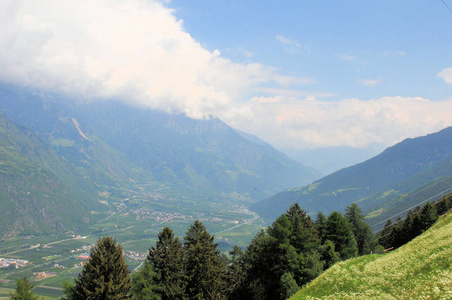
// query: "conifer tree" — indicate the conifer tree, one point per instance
point(23, 290)
point(204, 265)
point(361, 231)
point(167, 261)
point(104, 276)
point(428, 216)
point(143, 284)
point(320, 225)
point(339, 232)
point(385, 235)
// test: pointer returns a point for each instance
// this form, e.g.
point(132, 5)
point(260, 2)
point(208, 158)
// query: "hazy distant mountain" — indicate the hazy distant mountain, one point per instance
point(331, 159)
point(39, 191)
point(115, 144)
point(397, 171)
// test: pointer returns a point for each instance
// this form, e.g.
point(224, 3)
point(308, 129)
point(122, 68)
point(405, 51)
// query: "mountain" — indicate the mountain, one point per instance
point(114, 144)
point(417, 270)
point(39, 191)
point(398, 170)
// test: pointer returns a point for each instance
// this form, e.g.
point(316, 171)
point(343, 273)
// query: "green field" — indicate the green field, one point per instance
point(421, 269)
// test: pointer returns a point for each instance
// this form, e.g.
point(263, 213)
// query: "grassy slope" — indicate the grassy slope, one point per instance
point(422, 269)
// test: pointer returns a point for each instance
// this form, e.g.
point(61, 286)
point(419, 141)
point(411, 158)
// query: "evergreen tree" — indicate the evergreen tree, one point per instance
point(304, 236)
point(385, 235)
point(23, 290)
point(143, 284)
point(328, 255)
point(104, 276)
point(361, 231)
point(167, 261)
point(339, 232)
point(407, 230)
point(235, 272)
point(288, 286)
point(320, 225)
point(428, 216)
point(204, 265)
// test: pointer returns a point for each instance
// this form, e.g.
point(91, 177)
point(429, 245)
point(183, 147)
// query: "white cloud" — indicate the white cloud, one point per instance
point(290, 45)
point(131, 49)
point(290, 122)
point(446, 75)
point(369, 82)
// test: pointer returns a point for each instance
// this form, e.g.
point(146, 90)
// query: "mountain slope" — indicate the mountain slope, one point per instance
point(367, 179)
point(420, 269)
point(108, 139)
point(39, 191)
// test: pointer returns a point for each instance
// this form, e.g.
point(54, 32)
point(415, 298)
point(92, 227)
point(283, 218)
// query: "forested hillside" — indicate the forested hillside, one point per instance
point(417, 270)
point(397, 171)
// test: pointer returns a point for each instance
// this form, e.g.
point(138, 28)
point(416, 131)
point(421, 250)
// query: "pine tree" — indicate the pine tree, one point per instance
point(104, 276)
point(339, 232)
point(385, 235)
point(428, 216)
point(204, 265)
point(23, 290)
point(143, 284)
point(167, 261)
point(235, 272)
point(288, 285)
point(328, 255)
point(304, 236)
point(361, 231)
point(320, 225)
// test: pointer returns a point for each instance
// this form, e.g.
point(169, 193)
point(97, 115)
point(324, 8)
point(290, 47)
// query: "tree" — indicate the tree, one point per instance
point(328, 255)
point(104, 276)
point(235, 272)
point(428, 216)
point(143, 285)
point(320, 225)
point(167, 261)
point(339, 232)
point(385, 235)
point(288, 286)
point(23, 290)
point(204, 265)
point(361, 231)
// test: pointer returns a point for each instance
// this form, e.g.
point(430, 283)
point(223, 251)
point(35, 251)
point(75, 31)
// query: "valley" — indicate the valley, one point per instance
point(134, 219)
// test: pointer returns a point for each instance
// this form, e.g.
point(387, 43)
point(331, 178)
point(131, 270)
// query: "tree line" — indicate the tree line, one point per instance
point(278, 261)
point(415, 223)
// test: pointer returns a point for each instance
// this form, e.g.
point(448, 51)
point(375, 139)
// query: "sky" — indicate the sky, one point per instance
point(298, 74)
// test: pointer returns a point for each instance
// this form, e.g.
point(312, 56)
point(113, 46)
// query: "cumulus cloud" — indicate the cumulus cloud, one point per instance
point(292, 122)
point(446, 75)
point(139, 52)
point(134, 50)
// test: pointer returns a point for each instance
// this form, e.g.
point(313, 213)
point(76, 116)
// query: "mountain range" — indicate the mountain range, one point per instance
point(88, 148)
point(400, 177)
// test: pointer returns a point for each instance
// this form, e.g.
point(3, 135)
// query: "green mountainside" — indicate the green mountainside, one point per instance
point(398, 171)
point(115, 144)
point(39, 191)
point(420, 269)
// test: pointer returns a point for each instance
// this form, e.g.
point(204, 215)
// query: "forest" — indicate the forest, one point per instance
point(278, 261)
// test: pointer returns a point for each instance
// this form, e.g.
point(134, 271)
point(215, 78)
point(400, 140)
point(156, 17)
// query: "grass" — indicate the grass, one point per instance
point(422, 269)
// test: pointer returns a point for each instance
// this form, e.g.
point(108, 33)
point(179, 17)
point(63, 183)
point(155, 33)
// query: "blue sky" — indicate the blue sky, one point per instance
point(298, 74)
point(397, 47)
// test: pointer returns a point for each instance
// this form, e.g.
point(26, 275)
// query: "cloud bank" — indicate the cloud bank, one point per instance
point(138, 51)
point(135, 50)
